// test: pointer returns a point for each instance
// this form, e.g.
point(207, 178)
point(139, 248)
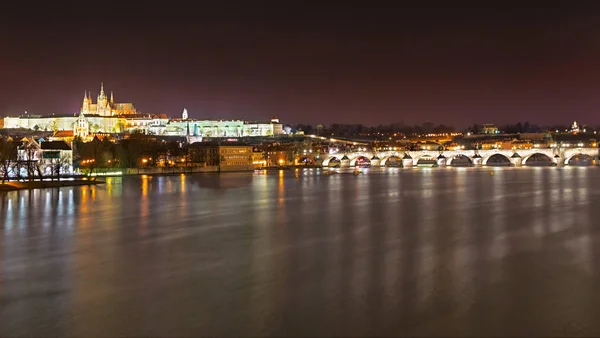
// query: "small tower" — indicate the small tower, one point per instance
point(184, 115)
point(85, 107)
point(82, 127)
point(112, 99)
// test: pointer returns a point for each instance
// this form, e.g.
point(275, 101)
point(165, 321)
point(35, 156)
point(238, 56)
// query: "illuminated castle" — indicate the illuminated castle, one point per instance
point(104, 106)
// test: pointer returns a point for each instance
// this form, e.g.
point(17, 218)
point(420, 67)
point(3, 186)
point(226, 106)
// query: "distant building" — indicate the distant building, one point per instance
point(258, 158)
point(227, 155)
point(489, 129)
point(575, 127)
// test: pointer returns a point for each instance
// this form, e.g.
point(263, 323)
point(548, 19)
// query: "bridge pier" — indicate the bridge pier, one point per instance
point(345, 162)
point(407, 161)
point(477, 160)
point(441, 161)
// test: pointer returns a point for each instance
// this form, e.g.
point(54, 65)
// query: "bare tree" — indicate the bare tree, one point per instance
point(31, 153)
point(8, 157)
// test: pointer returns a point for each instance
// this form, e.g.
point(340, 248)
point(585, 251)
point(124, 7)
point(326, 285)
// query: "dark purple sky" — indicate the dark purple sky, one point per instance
point(307, 61)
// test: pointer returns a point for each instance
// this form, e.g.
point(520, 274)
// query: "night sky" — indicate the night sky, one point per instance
point(309, 61)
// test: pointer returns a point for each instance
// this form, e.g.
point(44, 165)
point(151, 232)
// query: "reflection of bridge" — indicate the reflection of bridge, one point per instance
point(495, 157)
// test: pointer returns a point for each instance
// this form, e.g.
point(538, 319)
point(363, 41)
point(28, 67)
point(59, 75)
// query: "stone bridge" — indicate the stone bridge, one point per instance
point(494, 157)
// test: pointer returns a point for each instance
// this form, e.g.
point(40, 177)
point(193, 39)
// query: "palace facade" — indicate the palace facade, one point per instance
point(106, 116)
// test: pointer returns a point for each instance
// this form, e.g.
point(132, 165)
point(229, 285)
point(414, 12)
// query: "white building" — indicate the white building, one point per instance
point(48, 157)
point(103, 124)
point(157, 124)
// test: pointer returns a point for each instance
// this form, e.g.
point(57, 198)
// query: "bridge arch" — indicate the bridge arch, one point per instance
point(538, 159)
point(391, 161)
point(426, 160)
point(359, 159)
point(460, 160)
point(331, 160)
point(497, 160)
point(580, 160)
point(306, 160)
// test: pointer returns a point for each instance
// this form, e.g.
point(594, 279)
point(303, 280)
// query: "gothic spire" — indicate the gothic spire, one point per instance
point(102, 88)
point(112, 100)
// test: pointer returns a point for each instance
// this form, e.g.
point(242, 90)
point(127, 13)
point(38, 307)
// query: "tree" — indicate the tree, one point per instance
point(54, 125)
point(31, 152)
point(8, 156)
point(95, 128)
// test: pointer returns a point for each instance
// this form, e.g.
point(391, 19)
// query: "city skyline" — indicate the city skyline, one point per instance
point(455, 65)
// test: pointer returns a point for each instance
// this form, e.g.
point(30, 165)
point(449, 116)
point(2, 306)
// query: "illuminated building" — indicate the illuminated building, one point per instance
point(105, 116)
point(56, 122)
point(575, 127)
point(227, 155)
point(104, 106)
point(216, 128)
point(258, 158)
point(489, 129)
point(49, 157)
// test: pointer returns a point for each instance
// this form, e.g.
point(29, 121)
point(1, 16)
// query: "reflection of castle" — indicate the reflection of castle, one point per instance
point(105, 107)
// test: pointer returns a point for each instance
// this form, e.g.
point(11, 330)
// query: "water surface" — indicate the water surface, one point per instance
point(446, 252)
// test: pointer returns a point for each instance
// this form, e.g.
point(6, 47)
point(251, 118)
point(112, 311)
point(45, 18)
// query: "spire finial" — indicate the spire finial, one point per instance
point(112, 100)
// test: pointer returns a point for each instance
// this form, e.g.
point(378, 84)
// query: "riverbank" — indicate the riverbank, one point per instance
point(10, 186)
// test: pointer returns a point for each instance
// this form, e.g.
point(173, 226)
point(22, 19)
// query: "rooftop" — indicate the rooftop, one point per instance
point(55, 145)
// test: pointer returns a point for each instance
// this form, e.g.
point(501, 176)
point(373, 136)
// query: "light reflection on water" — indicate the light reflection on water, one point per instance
point(389, 252)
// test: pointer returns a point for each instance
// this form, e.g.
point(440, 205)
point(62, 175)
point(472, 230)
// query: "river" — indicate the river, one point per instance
point(436, 252)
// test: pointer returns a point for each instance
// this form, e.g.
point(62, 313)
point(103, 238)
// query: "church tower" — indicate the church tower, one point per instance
point(85, 107)
point(103, 108)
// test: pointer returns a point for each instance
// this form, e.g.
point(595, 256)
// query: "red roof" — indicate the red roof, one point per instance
point(64, 133)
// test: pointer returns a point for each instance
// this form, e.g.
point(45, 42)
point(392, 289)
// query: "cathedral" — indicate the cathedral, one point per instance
point(104, 106)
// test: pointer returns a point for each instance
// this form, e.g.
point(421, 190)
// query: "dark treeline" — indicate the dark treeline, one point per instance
point(342, 130)
point(520, 127)
point(136, 151)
